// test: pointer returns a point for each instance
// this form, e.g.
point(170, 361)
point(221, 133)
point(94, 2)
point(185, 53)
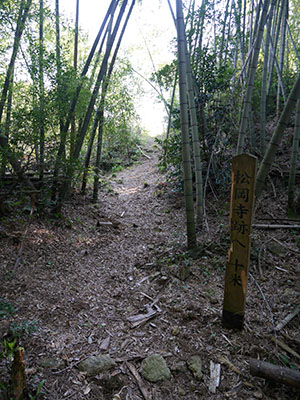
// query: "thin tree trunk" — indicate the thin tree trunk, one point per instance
point(58, 62)
point(100, 77)
point(263, 101)
point(251, 76)
point(63, 136)
point(87, 118)
point(41, 93)
point(186, 160)
point(23, 14)
point(75, 62)
point(274, 43)
point(98, 155)
point(7, 122)
point(170, 116)
point(295, 150)
point(102, 104)
point(277, 136)
point(221, 58)
point(293, 42)
point(279, 75)
point(98, 113)
point(196, 141)
point(282, 52)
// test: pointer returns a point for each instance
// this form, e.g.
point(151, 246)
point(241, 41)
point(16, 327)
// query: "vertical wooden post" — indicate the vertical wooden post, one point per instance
point(241, 209)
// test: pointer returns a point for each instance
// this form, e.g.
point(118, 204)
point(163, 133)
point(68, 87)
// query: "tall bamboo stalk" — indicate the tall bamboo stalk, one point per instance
point(64, 132)
point(184, 124)
point(251, 76)
point(294, 157)
point(263, 100)
point(282, 51)
point(22, 17)
point(41, 92)
point(75, 63)
point(274, 41)
point(100, 111)
point(277, 136)
point(196, 140)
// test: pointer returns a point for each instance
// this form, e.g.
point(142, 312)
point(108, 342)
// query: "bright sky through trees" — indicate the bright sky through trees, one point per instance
point(150, 30)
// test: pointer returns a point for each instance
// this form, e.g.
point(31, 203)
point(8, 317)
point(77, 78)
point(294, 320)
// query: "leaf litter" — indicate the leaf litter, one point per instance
point(107, 282)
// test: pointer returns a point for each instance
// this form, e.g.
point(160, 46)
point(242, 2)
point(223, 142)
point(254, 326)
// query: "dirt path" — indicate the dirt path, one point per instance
point(83, 276)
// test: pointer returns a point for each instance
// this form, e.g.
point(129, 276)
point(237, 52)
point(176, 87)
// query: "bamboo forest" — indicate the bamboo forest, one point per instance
point(149, 199)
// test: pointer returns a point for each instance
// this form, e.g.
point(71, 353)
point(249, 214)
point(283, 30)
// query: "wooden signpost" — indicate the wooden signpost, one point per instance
point(241, 209)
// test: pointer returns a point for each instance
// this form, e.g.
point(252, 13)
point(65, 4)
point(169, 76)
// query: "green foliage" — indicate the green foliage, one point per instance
point(25, 328)
point(165, 75)
point(6, 309)
point(9, 347)
point(170, 158)
point(38, 390)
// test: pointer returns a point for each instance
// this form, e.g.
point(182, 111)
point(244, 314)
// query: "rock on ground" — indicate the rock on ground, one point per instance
point(96, 364)
point(195, 366)
point(154, 368)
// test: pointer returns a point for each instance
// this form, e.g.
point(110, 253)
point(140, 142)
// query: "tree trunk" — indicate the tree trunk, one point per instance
point(98, 155)
point(23, 14)
point(63, 137)
point(186, 160)
point(102, 104)
point(75, 62)
point(294, 157)
point(58, 62)
point(196, 141)
point(274, 41)
point(281, 52)
point(277, 136)
point(251, 76)
point(41, 93)
point(263, 100)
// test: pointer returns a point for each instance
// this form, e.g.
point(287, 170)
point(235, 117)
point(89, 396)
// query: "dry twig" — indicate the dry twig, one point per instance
point(287, 319)
point(139, 380)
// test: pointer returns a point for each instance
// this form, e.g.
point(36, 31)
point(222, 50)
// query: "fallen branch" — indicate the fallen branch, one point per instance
point(287, 319)
point(277, 373)
point(139, 380)
point(268, 226)
point(284, 245)
point(285, 347)
point(144, 154)
point(224, 360)
point(140, 319)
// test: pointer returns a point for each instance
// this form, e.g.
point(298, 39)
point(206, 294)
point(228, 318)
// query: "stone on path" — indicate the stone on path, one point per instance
point(96, 364)
point(51, 363)
point(154, 368)
point(195, 366)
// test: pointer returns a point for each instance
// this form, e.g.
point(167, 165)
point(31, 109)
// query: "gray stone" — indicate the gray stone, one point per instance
point(179, 366)
point(181, 272)
point(96, 364)
point(51, 363)
point(195, 366)
point(276, 248)
point(154, 368)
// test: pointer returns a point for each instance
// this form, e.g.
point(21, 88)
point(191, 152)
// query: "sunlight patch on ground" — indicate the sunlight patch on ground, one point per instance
point(128, 191)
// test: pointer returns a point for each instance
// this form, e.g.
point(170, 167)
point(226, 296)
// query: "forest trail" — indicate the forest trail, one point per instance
point(115, 278)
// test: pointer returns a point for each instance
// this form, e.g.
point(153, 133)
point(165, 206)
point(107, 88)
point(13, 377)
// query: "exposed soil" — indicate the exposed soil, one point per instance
point(83, 275)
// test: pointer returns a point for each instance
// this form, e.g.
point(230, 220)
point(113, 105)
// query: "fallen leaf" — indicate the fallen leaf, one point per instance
point(87, 390)
point(105, 343)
